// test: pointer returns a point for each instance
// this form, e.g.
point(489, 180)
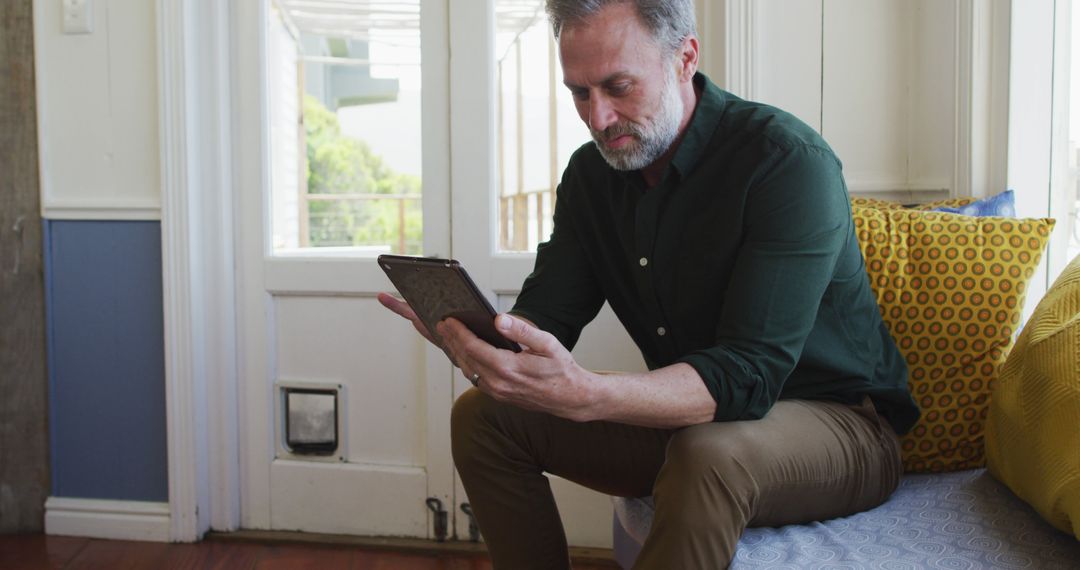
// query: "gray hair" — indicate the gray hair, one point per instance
point(669, 21)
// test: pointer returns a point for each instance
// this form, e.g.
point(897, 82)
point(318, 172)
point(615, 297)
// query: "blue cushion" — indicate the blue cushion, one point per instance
point(963, 519)
point(1001, 205)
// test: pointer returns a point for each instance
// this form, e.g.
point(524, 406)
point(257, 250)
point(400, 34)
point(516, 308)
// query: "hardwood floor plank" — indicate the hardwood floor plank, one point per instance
point(211, 556)
point(374, 560)
point(40, 552)
point(238, 556)
point(464, 563)
point(184, 557)
point(297, 557)
point(584, 558)
point(121, 555)
point(37, 551)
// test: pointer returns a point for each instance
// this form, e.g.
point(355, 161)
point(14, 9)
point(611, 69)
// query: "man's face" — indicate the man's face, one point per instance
point(624, 86)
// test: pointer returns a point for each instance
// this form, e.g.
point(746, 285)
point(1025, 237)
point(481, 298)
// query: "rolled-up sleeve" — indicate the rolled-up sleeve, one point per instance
point(797, 220)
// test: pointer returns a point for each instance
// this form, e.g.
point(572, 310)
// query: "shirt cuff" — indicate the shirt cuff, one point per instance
point(739, 393)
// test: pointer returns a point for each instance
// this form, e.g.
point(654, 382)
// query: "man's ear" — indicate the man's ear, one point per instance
point(687, 55)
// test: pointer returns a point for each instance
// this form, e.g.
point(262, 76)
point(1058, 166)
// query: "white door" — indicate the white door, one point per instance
point(346, 408)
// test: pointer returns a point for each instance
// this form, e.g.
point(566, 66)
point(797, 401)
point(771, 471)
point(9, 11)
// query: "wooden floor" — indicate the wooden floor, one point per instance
point(36, 551)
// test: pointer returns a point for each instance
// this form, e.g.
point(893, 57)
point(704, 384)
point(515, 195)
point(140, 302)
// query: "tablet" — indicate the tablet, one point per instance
point(440, 288)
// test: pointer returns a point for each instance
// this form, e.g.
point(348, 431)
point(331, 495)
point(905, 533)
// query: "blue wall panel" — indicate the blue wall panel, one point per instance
point(106, 360)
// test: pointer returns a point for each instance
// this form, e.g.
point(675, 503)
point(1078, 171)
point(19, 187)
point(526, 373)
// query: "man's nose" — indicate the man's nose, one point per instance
point(601, 113)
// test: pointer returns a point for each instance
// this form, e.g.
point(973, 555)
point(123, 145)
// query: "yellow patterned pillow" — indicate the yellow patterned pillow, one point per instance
point(888, 205)
point(951, 291)
point(875, 203)
point(1033, 432)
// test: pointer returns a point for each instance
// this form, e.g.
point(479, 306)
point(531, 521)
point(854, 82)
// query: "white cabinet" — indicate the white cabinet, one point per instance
point(910, 93)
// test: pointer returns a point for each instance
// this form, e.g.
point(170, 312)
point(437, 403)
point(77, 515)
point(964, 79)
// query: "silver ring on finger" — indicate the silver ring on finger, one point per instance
point(475, 379)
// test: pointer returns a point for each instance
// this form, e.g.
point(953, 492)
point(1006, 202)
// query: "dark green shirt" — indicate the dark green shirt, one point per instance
point(742, 262)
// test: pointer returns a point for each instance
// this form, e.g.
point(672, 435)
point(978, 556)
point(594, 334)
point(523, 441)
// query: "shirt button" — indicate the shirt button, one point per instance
point(661, 331)
point(643, 262)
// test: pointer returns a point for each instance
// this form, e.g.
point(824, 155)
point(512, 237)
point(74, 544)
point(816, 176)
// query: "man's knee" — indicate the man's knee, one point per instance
point(706, 493)
point(466, 418)
point(724, 450)
point(467, 408)
point(482, 430)
point(709, 472)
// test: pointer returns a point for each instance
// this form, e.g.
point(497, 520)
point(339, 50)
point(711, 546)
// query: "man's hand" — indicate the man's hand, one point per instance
point(405, 311)
point(543, 377)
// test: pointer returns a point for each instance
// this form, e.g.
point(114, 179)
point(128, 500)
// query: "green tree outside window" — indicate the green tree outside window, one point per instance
point(340, 165)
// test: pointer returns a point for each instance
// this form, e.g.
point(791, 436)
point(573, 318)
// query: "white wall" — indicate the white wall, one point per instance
point(98, 112)
point(902, 89)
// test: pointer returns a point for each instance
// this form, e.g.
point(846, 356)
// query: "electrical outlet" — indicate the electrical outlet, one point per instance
point(78, 16)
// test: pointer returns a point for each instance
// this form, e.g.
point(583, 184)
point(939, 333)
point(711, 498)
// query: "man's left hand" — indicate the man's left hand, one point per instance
point(542, 377)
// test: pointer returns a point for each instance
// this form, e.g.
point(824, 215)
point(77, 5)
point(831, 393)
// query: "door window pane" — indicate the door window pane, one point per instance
point(345, 125)
point(537, 126)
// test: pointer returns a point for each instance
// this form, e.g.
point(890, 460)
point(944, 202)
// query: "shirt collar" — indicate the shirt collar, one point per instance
point(702, 125)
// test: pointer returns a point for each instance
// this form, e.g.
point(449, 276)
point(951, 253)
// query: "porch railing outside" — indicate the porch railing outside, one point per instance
point(399, 244)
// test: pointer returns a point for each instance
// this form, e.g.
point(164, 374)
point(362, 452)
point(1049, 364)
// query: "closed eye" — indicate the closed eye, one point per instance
point(579, 94)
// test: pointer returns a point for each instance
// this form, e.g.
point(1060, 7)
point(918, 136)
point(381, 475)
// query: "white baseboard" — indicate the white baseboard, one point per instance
point(96, 518)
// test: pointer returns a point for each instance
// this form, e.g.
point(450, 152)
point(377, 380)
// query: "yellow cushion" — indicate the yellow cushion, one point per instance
point(951, 291)
point(1033, 432)
point(875, 203)
point(888, 205)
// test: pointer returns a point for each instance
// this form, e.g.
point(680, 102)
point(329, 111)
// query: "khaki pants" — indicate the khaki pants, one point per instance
point(805, 461)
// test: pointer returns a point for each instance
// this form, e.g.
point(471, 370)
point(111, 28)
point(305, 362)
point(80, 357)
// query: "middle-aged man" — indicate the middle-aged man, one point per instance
point(720, 232)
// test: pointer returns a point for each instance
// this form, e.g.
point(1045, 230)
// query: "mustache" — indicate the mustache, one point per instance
point(615, 131)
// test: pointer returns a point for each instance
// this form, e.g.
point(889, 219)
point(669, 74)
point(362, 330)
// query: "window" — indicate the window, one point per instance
point(1071, 193)
point(345, 134)
point(537, 127)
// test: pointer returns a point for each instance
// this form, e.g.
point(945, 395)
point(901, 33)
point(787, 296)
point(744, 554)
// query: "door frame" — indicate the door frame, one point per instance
point(195, 84)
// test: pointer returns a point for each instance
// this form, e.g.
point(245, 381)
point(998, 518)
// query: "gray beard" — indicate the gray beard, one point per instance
point(650, 140)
